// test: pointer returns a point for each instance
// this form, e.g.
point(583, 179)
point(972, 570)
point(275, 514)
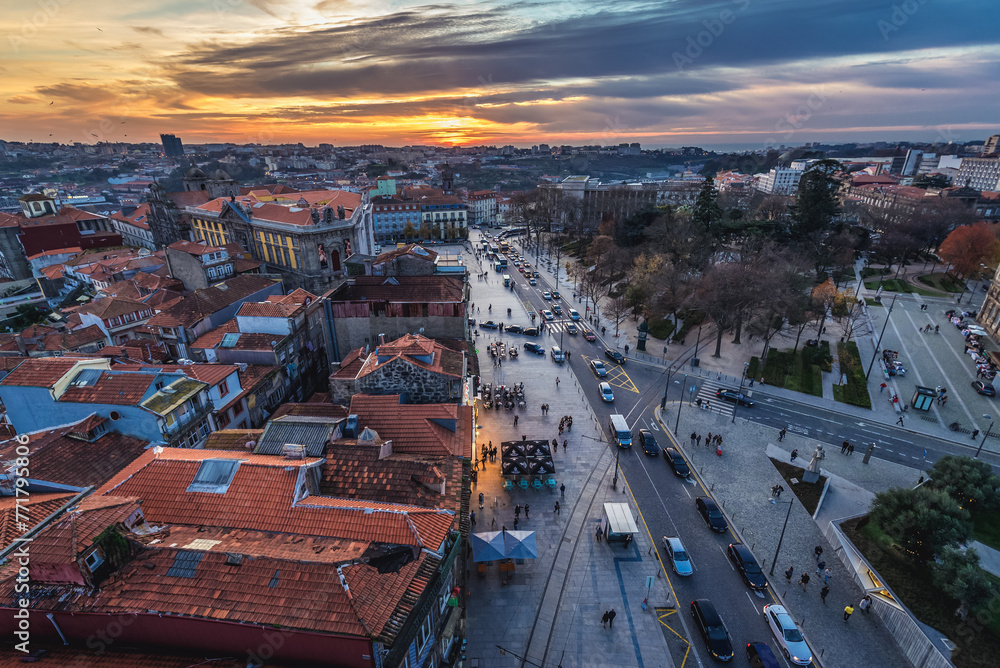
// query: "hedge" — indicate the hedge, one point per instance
point(855, 392)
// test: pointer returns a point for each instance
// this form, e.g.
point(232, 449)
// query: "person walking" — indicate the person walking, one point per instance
point(866, 604)
point(556, 510)
point(789, 573)
point(804, 580)
point(472, 518)
point(517, 510)
point(818, 552)
point(515, 420)
point(562, 489)
point(820, 565)
point(604, 619)
point(827, 574)
point(780, 490)
point(557, 381)
point(515, 523)
point(481, 499)
point(709, 439)
point(823, 592)
point(611, 618)
point(843, 447)
point(900, 421)
point(882, 388)
point(781, 434)
point(850, 449)
point(693, 437)
point(795, 454)
point(565, 443)
point(599, 534)
point(527, 512)
point(699, 439)
point(848, 611)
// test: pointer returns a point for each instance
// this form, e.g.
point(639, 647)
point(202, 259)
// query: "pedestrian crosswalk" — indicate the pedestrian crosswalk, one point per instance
point(709, 400)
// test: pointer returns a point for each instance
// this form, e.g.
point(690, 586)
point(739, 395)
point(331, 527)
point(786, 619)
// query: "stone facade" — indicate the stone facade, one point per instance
point(398, 376)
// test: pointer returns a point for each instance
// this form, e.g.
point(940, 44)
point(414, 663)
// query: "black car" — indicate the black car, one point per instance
point(712, 630)
point(759, 655)
point(733, 396)
point(489, 324)
point(713, 516)
point(648, 443)
point(534, 348)
point(614, 355)
point(747, 565)
point(676, 462)
point(530, 331)
point(984, 388)
point(514, 329)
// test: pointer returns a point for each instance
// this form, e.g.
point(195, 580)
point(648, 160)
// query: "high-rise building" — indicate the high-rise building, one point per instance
point(172, 146)
point(992, 145)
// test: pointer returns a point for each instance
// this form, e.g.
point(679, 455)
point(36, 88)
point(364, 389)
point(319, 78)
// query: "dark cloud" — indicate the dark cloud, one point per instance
point(148, 30)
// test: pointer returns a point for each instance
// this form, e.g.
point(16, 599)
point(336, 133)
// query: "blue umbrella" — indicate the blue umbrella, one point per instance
point(487, 546)
point(520, 545)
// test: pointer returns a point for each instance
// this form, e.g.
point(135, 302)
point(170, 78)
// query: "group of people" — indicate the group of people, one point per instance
point(710, 440)
point(826, 573)
point(847, 448)
point(565, 423)
point(489, 453)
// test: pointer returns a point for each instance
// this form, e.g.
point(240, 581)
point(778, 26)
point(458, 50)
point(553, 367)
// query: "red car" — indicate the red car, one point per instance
point(589, 335)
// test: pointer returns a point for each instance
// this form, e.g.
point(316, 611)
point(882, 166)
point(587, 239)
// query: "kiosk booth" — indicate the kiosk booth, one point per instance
point(617, 522)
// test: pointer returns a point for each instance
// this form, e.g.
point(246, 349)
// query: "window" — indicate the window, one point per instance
point(424, 633)
point(93, 560)
point(214, 476)
point(223, 388)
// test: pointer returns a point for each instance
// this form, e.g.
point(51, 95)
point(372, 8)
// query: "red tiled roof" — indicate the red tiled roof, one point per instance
point(412, 427)
point(115, 656)
point(111, 307)
point(206, 301)
point(69, 536)
point(213, 374)
point(34, 508)
point(269, 310)
point(119, 389)
point(356, 472)
point(40, 371)
point(72, 339)
point(213, 337)
point(193, 248)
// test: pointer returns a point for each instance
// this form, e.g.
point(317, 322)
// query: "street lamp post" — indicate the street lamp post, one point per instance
point(782, 537)
point(983, 442)
point(879, 342)
point(677, 422)
point(614, 482)
point(666, 387)
point(739, 395)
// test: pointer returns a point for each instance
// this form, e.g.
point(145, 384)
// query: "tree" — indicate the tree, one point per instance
point(715, 297)
point(632, 229)
point(922, 521)
point(706, 208)
point(425, 231)
point(24, 317)
point(971, 482)
point(969, 246)
point(847, 309)
point(409, 231)
point(816, 205)
point(617, 309)
point(825, 295)
point(959, 575)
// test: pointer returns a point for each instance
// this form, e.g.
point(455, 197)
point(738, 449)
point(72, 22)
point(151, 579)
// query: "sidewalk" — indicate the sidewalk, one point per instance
point(741, 481)
point(550, 610)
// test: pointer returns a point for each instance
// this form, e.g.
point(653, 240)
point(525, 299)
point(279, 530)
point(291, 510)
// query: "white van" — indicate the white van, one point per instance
point(620, 431)
point(506, 280)
point(558, 355)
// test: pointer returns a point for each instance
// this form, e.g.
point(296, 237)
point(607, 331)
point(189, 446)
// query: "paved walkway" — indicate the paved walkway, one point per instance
point(550, 610)
point(741, 481)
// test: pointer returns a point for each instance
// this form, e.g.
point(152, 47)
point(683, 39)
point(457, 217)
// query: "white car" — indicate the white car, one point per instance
point(788, 635)
point(678, 556)
point(546, 295)
point(547, 314)
point(606, 394)
point(574, 314)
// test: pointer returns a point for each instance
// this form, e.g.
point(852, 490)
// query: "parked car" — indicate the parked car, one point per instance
point(589, 335)
point(547, 314)
point(734, 397)
point(676, 462)
point(534, 348)
point(489, 324)
point(614, 355)
point(574, 314)
point(546, 295)
point(713, 630)
point(530, 331)
point(648, 443)
point(747, 565)
point(759, 655)
point(984, 388)
point(710, 511)
point(598, 368)
point(571, 328)
point(606, 393)
point(678, 556)
point(514, 329)
point(789, 637)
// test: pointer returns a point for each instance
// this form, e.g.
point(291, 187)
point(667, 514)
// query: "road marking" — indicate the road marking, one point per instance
point(652, 424)
point(752, 604)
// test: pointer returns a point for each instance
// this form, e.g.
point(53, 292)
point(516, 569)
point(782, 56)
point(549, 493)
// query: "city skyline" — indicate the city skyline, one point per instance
point(683, 72)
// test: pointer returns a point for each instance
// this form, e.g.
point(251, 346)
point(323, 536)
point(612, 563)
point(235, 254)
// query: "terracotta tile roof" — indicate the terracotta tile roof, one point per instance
point(138, 350)
point(126, 288)
point(53, 272)
point(40, 371)
point(409, 289)
point(213, 337)
point(309, 409)
point(352, 364)
point(186, 198)
point(73, 339)
point(207, 301)
point(243, 265)
point(213, 374)
point(72, 534)
point(37, 331)
point(410, 348)
point(269, 310)
point(58, 457)
point(260, 498)
point(255, 374)
point(112, 387)
point(296, 296)
point(355, 472)
point(111, 307)
point(34, 509)
point(418, 429)
point(153, 282)
point(194, 248)
point(232, 439)
point(8, 219)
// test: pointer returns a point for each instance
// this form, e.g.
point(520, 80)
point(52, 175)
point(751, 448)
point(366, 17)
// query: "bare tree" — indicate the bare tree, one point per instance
point(617, 309)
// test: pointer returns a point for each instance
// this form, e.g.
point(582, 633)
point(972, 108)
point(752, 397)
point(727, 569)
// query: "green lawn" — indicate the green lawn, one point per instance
point(978, 640)
point(660, 329)
point(800, 370)
point(872, 302)
point(856, 390)
point(897, 285)
point(986, 529)
point(943, 282)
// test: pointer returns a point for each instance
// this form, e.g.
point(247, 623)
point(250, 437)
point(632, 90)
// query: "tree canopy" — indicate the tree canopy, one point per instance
point(970, 246)
point(816, 205)
point(971, 482)
point(922, 521)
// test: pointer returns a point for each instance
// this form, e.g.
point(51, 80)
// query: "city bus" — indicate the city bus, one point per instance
point(494, 249)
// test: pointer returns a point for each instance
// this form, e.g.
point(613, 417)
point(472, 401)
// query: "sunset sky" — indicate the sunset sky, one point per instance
point(398, 72)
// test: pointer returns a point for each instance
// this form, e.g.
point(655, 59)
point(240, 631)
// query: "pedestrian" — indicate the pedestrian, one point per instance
point(481, 499)
point(882, 388)
point(698, 401)
point(626, 349)
point(781, 434)
point(515, 523)
point(708, 405)
point(850, 449)
point(866, 604)
point(604, 619)
point(565, 443)
point(562, 489)
point(718, 440)
point(517, 510)
point(848, 611)
point(975, 432)
point(561, 428)
point(611, 618)
point(699, 439)
point(515, 420)
point(527, 511)
point(823, 592)
point(693, 437)
point(843, 447)
point(556, 511)
point(818, 551)
point(804, 580)
point(827, 574)
point(557, 381)
point(709, 439)
point(795, 453)
point(555, 444)
point(921, 480)
point(774, 490)
point(944, 400)
point(599, 533)
point(900, 421)
point(472, 518)
point(780, 490)
point(789, 573)
point(820, 565)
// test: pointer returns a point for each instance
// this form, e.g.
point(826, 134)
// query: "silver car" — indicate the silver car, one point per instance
point(678, 556)
point(788, 635)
